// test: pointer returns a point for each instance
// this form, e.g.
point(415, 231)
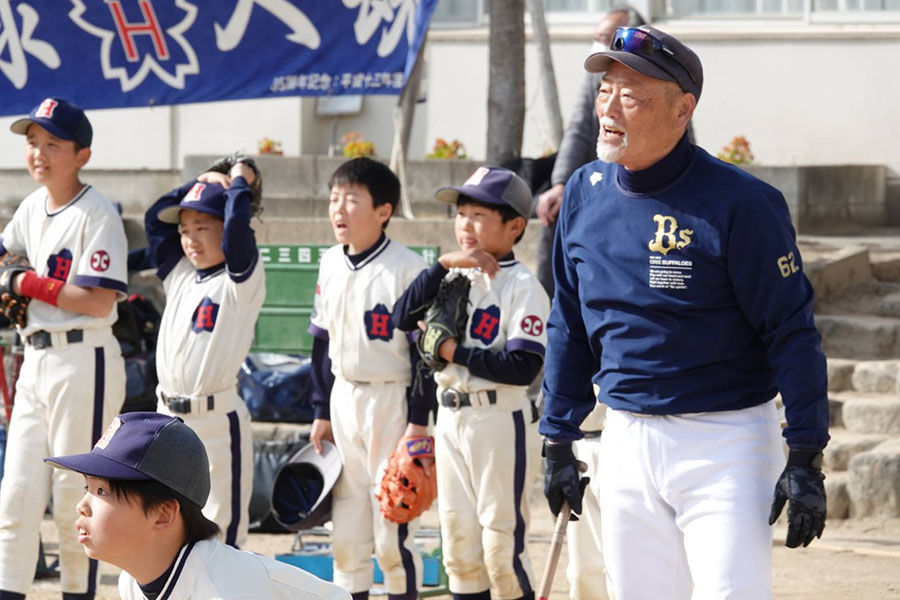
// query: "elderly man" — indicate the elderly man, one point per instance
point(578, 145)
point(681, 294)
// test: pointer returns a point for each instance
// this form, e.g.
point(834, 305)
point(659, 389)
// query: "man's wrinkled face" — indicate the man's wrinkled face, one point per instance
point(638, 117)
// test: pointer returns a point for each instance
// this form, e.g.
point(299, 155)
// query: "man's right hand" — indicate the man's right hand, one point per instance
point(562, 479)
point(321, 430)
point(549, 203)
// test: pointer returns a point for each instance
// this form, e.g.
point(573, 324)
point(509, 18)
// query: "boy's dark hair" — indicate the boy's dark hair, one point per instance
point(381, 182)
point(152, 494)
point(507, 212)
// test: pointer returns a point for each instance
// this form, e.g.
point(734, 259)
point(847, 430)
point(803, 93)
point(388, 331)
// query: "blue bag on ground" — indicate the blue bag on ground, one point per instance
point(276, 387)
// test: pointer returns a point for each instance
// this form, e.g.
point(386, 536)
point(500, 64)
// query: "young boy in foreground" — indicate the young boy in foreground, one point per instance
point(146, 481)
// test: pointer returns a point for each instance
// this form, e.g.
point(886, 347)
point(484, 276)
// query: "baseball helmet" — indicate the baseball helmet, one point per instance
point(301, 494)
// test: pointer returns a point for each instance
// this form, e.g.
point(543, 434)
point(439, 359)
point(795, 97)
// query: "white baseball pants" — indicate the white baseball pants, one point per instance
point(685, 503)
point(367, 421)
point(487, 458)
point(65, 398)
point(227, 435)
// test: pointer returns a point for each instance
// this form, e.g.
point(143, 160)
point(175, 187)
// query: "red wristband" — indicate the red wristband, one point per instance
point(45, 289)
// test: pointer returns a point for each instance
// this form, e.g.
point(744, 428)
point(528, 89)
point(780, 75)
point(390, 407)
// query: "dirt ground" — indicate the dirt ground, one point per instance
point(855, 559)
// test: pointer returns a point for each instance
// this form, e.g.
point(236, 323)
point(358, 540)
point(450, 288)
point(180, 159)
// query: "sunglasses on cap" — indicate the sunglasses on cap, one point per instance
point(637, 41)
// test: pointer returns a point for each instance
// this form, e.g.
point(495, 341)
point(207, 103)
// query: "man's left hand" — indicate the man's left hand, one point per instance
point(803, 488)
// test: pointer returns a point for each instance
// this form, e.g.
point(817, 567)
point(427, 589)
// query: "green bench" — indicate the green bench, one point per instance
point(291, 273)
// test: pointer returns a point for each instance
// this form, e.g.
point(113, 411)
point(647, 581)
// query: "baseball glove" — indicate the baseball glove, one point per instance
point(224, 165)
point(446, 318)
point(406, 491)
point(13, 306)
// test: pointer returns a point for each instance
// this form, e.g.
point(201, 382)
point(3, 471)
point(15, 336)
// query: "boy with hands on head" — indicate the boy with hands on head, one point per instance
point(205, 251)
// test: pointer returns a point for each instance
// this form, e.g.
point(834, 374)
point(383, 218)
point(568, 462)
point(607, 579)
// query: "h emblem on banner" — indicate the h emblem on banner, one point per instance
point(150, 26)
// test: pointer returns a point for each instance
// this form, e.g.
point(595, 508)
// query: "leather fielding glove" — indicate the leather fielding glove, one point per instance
point(562, 479)
point(801, 484)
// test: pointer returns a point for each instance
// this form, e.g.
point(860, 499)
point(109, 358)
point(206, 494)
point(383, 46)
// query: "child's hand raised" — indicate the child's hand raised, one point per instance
point(468, 259)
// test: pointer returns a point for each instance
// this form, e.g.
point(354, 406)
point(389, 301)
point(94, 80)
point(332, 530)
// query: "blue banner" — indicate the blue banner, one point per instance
point(126, 53)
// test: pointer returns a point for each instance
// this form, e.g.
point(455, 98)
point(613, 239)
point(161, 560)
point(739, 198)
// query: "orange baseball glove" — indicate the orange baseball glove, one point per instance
point(406, 491)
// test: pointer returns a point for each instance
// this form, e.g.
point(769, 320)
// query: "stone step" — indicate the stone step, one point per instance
point(877, 298)
point(873, 481)
point(885, 266)
point(840, 374)
point(875, 376)
point(844, 445)
point(867, 413)
point(837, 500)
point(859, 336)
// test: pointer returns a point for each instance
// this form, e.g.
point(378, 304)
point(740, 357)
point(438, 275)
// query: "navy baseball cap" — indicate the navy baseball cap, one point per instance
point(301, 492)
point(654, 53)
point(492, 185)
point(208, 198)
point(61, 118)
point(143, 446)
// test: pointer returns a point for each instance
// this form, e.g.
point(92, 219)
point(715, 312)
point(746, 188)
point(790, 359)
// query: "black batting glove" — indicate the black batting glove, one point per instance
point(801, 483)
point(562, 479)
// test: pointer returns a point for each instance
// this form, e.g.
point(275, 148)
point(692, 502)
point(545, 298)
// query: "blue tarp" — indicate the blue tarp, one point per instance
point(126, 53)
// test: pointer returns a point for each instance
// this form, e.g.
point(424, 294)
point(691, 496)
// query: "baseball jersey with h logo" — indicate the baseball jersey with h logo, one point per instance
point(353, 307)
point(208, 329)
point(508, 312)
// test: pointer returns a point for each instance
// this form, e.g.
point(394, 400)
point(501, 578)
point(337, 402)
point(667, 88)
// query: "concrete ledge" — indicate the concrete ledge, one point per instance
point(830, 199)
point(844, 268)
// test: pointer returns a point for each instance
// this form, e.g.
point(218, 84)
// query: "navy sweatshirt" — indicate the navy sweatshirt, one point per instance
point(680, 289)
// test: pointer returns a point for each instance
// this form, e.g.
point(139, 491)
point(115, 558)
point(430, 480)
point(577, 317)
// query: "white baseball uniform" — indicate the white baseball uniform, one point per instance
point(67, 391)
point(210, 569)
point(487, 453)
point(205, 333)
point(584, 571)
point(371, 364)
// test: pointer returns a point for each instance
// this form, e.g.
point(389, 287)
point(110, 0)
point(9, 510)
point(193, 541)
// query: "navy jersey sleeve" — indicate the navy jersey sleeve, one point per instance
point(421, 394)
point(321, 379)
point(766, 272)
point(511, 367)
point(411, 307)
point(162, 238)
point(239, 240)
point(569, 362)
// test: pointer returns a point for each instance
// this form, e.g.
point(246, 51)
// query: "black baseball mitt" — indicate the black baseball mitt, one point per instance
point(13, 306)
point(446, 318)
point(224, 165)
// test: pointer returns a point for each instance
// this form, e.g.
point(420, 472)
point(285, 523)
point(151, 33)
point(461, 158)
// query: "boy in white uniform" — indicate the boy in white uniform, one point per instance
point(362, 373)
point(72, 381)
point(147, 479)
point(205, 251)
point(486, 444)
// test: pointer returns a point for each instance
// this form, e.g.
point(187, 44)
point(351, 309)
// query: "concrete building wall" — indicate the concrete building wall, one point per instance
point(802, 94)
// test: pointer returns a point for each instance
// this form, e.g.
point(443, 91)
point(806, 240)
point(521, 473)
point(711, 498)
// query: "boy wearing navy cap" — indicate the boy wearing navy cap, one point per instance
point(72, 381)
point(485, 439)
point(146, 481)
point(206, 256)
